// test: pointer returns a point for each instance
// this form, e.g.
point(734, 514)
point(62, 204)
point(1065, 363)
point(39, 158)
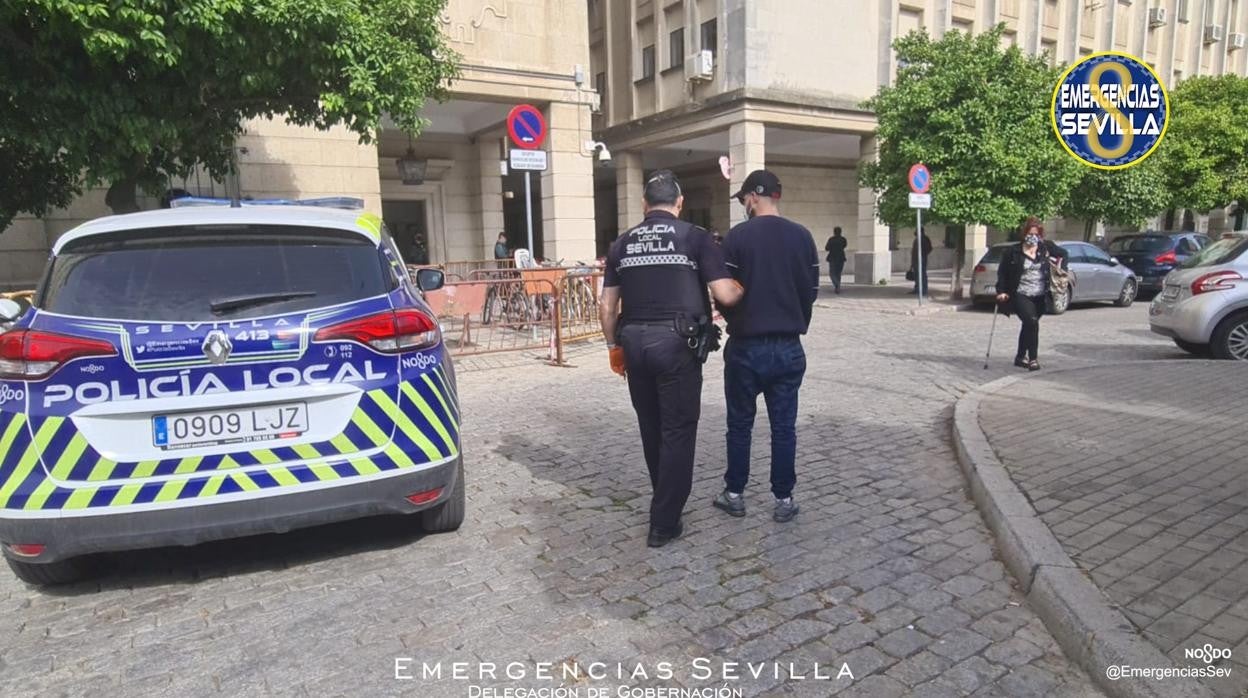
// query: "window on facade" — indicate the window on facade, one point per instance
point(647, 62)
point(1182, 13)
point(676, 48)
point(710, 36)
point(1050, 48)
point(600, 86)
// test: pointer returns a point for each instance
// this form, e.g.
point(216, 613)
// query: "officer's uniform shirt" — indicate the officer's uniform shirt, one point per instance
point(662, 268)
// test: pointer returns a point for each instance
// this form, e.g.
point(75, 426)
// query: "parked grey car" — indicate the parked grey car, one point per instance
point(1096, 276)
point(1203, 306)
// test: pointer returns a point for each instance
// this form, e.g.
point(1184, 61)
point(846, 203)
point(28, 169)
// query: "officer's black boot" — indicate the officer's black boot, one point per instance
point(660, 537)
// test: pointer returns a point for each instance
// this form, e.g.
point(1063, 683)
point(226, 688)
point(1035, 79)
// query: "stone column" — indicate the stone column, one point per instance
point(976, 246)
point(629, 186)
point(489, 153)
point(568, 187)
point(747, 146)
point(872, 259)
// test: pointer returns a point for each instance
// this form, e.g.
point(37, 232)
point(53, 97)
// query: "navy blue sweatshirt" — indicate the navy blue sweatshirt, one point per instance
point(777, 262)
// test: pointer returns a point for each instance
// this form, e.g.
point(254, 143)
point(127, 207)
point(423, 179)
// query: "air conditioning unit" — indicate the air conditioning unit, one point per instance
point(1237, 42)
point(1157, 17)
point(700, 66)
point(1214, 33)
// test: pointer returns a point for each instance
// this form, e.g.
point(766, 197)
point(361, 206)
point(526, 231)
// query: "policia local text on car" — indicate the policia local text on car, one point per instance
point(655, 305)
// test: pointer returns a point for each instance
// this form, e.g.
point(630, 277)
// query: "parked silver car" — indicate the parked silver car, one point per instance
point(1096, 276)
point(1203, 306)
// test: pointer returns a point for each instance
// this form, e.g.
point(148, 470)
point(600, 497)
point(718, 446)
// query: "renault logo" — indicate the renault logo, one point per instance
point(217, 347)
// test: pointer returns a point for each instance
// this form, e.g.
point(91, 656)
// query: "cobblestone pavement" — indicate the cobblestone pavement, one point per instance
point(888, 569)
point(1142, 475)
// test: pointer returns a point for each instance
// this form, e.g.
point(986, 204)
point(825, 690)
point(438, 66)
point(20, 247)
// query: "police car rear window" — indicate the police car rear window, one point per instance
point(180, 274)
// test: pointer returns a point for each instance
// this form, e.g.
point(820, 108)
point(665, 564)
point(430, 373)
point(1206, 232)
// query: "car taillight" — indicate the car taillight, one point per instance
point(33, 354)
point(389, 331)
point(1215, 281)
point(980, 269)
point(27, 549)
point(1166, 258)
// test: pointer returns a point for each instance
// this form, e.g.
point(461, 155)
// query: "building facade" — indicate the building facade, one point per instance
point(511, 52)
point(674, 84)
point(784, 80)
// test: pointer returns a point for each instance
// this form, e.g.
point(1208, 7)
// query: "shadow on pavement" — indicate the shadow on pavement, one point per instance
point(239, 556)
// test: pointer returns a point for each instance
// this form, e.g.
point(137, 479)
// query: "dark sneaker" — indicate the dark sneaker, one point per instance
point(786, 509)
point(735, 506)
point(1020, 362)
point(660, 537)
point(1033, 365)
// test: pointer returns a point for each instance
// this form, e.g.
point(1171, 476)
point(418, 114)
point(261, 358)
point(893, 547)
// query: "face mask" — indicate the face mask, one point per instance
point(1032, 239)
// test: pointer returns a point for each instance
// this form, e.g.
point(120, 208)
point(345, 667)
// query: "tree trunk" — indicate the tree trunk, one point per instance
point(959, 261)
point(1088, 226)
point(123, 195)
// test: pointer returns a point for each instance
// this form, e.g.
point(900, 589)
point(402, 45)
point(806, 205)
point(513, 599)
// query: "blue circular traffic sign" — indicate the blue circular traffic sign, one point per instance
point(527, 127)
point(920, 179)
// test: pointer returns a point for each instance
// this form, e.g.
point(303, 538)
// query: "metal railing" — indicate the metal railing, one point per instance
point(488, 316)
point(507, 309)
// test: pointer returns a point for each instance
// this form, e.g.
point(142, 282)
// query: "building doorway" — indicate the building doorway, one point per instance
point(514, 224)
point(409, 226)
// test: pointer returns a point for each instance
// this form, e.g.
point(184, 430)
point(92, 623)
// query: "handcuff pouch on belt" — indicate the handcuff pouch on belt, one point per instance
point(700, 333)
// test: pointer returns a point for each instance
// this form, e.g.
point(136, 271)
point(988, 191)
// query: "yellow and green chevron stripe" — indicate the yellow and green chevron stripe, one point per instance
point(389, 430)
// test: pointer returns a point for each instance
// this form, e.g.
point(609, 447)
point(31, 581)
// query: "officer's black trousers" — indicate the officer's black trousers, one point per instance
point(665, 382)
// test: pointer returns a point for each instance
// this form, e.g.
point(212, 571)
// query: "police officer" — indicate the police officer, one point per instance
point(654, 290)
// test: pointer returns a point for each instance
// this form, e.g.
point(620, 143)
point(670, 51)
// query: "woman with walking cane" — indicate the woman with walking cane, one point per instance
point(1025, 284)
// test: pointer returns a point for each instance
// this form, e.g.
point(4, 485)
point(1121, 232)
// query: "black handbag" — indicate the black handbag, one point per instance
point(909, 275)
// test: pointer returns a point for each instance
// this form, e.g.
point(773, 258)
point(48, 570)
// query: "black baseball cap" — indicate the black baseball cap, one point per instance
point(759, 182)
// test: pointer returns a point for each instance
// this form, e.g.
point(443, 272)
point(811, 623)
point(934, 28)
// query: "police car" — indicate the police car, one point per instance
point(208, 371)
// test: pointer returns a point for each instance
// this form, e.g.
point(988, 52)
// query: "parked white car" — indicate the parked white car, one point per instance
point(1203, 306)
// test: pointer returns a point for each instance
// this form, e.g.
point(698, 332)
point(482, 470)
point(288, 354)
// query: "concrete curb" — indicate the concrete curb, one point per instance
point(927, 309)
point(1089, 628)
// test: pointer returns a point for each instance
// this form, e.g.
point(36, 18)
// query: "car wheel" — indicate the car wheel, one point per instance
point(1230, 339)
point(50, 573)
point(1193, 348)
point(1061, 301)
point(1127, 296)
point(448, 515)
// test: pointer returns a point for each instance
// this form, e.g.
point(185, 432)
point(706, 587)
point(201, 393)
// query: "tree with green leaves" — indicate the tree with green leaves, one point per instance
point(1204, 155)
point(129, 92)
point(977, 115)
point(1125, 197)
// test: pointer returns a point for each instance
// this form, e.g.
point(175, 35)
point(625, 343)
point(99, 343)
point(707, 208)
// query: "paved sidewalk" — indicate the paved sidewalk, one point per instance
point(895, 298)
point(1141, 472)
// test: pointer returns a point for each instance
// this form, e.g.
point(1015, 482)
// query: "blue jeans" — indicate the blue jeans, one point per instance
point(773, 366)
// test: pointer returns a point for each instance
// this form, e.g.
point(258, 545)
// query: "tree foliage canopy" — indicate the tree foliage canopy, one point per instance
point(1118, 197)
point(1204, 156)
point(977, 115)
point(129, 91)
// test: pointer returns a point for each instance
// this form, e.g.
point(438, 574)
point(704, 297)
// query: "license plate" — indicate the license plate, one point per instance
point(215, 427)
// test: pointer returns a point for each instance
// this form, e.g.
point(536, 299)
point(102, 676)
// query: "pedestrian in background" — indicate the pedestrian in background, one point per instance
point(500, 247)
point(1024, 287)
point(920, 274)
point(836, 257)
point(777, 262)
point(654, 289)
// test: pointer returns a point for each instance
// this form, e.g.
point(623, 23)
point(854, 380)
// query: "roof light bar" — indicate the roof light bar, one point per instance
point(343, 202)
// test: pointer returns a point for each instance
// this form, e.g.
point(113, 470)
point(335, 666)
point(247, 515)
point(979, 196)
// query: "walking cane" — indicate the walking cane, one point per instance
point(996, 308)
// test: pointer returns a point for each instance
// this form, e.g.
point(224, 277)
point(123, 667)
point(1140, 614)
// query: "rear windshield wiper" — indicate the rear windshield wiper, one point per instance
point(226, 305)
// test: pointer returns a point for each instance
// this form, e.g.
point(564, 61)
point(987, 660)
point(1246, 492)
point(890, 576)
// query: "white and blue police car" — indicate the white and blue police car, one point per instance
point(212, 371)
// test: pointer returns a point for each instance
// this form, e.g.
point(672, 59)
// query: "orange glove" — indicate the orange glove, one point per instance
point(617, 360)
